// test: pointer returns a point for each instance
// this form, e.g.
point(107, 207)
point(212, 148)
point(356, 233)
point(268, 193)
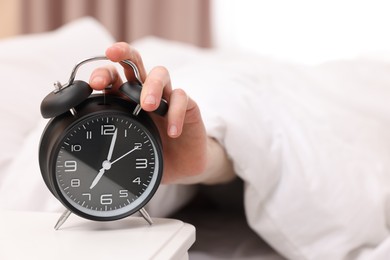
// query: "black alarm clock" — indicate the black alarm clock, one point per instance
point(100, 155)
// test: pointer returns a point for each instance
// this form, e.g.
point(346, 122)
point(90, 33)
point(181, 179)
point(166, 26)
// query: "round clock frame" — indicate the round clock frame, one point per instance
point(100, 155)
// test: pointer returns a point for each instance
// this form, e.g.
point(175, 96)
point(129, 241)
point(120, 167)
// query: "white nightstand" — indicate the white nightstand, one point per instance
point(30, 235)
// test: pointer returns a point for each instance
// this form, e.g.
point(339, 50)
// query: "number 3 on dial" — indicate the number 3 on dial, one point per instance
point(141, 163)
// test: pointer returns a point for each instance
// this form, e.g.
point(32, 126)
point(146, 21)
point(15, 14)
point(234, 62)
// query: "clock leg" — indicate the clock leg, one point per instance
point(62, 219)
point(146, 216)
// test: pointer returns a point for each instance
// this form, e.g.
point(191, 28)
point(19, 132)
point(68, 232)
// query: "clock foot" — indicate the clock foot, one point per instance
point(146, 216)
point(62, 219)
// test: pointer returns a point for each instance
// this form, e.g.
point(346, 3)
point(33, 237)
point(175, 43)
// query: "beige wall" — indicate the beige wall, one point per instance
point(9, 18)
point(127, 20)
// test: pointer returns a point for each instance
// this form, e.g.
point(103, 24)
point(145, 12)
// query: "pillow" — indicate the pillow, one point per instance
point(29, 66)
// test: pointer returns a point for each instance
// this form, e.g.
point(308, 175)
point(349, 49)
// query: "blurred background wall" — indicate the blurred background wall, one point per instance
point(9, 18)
point(303, 31)
point(127, 20)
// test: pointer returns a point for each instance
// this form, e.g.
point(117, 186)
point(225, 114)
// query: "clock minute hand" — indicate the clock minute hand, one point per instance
point(106, 164)
point(112, 145)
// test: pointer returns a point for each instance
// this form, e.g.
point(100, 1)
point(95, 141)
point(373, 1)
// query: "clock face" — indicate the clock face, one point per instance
point(107, 166)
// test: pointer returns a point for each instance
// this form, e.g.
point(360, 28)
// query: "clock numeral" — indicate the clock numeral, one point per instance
point(75, 183)
point(70, 166)
point(123, 193)
point(138, 146)
point(89, 134)
point(137, 180)
point(106, 199)
point(75, 148)
point(88, 195)
point(141, 163)
point(107, 129)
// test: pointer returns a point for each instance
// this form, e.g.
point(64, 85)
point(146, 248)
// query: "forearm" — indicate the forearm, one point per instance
point(219, 168)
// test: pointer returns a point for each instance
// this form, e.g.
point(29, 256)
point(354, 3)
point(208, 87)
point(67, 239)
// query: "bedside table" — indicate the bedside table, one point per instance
point(31, 235)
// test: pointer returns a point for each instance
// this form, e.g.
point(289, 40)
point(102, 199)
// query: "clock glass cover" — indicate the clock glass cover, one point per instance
point(107, 166)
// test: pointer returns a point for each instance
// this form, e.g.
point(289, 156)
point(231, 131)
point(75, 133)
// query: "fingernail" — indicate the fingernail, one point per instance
point(97, 81)
point(172, 130)
point(150, 100)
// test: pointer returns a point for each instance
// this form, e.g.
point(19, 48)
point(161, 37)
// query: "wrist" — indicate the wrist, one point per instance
point(219, 168)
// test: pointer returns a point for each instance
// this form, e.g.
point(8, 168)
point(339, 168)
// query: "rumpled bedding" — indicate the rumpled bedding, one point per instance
point(311, 143)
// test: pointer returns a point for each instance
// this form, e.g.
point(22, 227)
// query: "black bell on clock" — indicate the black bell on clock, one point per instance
point(100, 155)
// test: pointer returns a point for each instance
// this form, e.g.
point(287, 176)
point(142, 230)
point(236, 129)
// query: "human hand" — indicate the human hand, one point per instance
point(185, 142)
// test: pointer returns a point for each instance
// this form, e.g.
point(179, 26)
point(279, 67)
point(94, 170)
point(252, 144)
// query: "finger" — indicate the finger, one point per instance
point(105, 76)
point(122, 51)
point(177, 112)
point(156, 86)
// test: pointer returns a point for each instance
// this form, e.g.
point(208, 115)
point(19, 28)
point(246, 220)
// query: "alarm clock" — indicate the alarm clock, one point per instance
point(100, 154)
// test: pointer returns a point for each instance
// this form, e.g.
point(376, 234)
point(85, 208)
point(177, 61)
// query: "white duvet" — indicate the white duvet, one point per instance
point(312, 144)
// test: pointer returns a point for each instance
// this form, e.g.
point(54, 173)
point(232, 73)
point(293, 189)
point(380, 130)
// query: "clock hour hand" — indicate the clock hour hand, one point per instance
point(98, 176)
point(106, 164)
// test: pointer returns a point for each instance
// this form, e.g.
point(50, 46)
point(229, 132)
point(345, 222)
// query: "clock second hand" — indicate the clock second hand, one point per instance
point(107, 165)
point(129, 152)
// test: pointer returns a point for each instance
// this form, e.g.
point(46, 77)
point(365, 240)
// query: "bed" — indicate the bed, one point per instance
point(309, 144)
